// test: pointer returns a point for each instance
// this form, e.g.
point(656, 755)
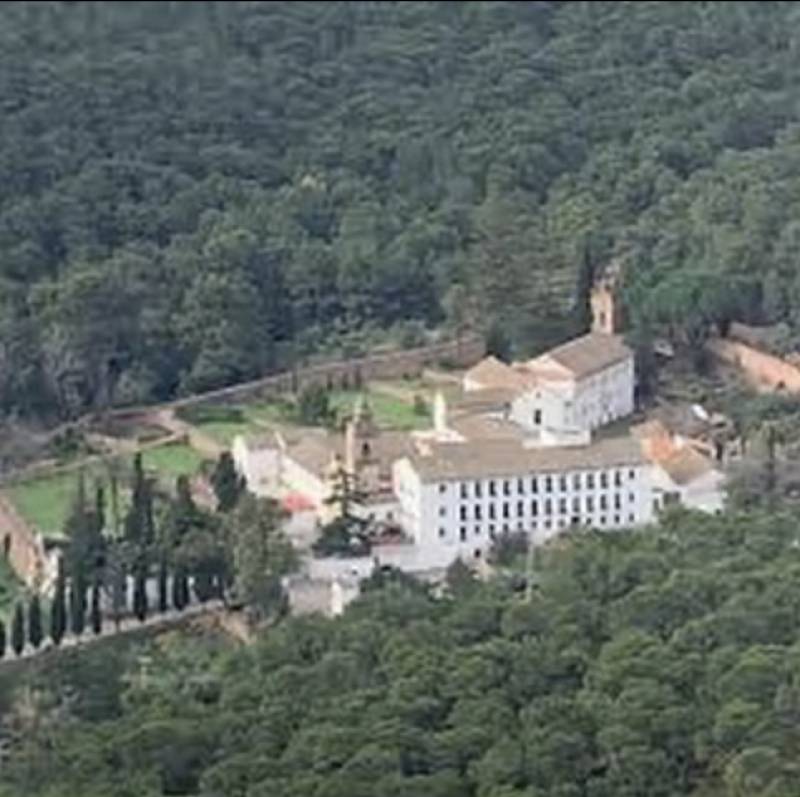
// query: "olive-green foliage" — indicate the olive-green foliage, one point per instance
point(660, 662)
point(198, 192)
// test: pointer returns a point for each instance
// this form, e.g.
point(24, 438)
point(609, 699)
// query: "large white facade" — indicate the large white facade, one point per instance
point(451, 516)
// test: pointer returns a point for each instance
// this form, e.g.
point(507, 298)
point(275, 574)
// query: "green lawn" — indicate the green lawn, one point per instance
point(45, 502)
point(388, 411)
point(172, 460)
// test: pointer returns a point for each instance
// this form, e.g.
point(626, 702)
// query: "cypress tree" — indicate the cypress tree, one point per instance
point(77, 605)
point(178, 588)
point(227, 483)
point(140, 593)
point(119, 594)
point(58, 611)
point(95, 614)
point(2, 639)
point(18, 630)
point(186, 596)
point(163, 597)
point(35, 622)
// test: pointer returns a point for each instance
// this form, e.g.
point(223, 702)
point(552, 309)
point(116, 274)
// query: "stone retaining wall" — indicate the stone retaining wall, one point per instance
point(763, 370)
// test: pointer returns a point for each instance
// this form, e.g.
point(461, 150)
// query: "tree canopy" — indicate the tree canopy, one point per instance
point(658, 662)
point(199, 192)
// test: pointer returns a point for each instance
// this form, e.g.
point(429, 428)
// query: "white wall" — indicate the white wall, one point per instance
point(260, 467)
point(449, 523)
point(605, 396)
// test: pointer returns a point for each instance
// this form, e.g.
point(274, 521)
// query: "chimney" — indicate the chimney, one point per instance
point(439, 413)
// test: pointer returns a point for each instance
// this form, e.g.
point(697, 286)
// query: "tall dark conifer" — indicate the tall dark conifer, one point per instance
point(77, 605)
point(18, 630)
point(95, 612)
point(35, 622)
point(163, 587)
point(140, 593)
point(58, 610)
point(2, 639)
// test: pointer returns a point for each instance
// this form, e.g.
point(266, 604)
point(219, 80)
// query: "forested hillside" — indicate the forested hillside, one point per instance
point(193, 193)
point(659, 663)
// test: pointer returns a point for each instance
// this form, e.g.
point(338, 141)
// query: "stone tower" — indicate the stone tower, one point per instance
point(607, 311)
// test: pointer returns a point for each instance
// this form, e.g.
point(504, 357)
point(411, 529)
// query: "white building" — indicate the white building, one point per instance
point(455, 498)
point(566, 393)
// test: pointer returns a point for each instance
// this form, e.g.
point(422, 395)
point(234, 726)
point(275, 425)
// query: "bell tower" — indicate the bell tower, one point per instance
point(607, 315)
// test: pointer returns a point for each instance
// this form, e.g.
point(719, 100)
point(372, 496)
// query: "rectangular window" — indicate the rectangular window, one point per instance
point(537, 417)
point(616, 520)
point(491, 511)
point(491, 530)
point(618, 478)
point(462, 512)
point(631, 474)
point(464, 490)
point(603, 480)
point(534, 508)
point(562, 484)
point(576, 481)
point(603, 502)
point(631, 518)
point(521, 486)
point(477, 531)
point(442, 488)
point(477, 512)
point(506, 487)
point(562, 505)
point(548, 484)
point(617, 501)
point(590, 481)
point(631, 497)
point(505, 510)
point(520, 509)
point(442, 511)
point(576, 504)
point(548, 507)
point(491, 487)
point(463, 533)
point(589, 503)
point(477, 489)
point(442, 533)
point(534, 485)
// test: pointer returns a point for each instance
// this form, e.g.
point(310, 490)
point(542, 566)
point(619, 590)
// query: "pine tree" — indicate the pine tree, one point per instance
point(58, 611)
point(95, 613)
point(140, 593)
point(18, 630)
point(35, 622)
point(163, 591)
point(2, 639)
point(77, 605)
point(227, 483)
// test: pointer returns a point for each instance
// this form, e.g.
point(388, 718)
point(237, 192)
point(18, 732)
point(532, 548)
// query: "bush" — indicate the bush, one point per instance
point(342, 537)
point(211, 413)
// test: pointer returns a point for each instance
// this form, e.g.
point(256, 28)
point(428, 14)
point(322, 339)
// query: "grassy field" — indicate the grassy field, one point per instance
point(388, 411)
point(172, 460)
point(44, 502)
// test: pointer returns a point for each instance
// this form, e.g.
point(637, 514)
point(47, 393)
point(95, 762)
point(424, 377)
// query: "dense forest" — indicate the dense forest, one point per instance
point(195, 193)
point(652, 664)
